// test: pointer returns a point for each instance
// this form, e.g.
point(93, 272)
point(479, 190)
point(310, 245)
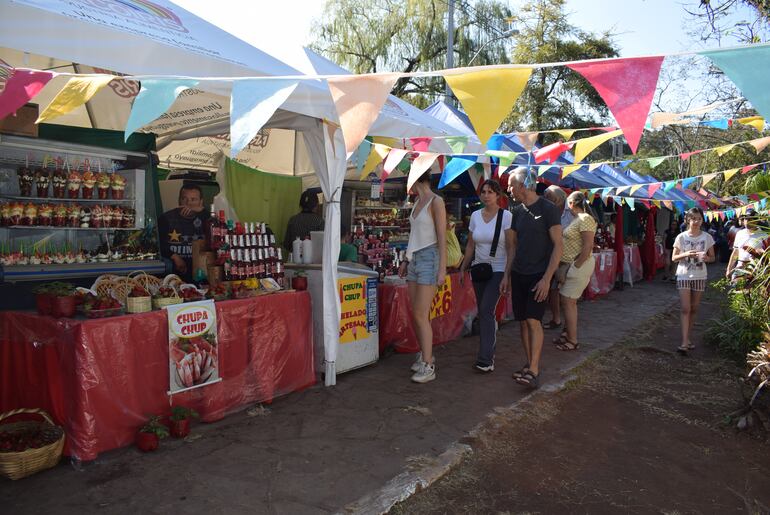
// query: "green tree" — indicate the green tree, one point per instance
point(743, 21)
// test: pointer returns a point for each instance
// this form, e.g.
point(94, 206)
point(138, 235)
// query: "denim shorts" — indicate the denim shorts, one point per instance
point(423, 268)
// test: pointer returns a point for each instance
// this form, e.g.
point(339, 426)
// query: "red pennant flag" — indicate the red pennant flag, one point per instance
point(652, 188)
point(420, 144)
point(754, 196)
point(747, 169)
point(441, 162)
point(645, 203)
point(551, 152)
point(685, 156)
point(627, 87)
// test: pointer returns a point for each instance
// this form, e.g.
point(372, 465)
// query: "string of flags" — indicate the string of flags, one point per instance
point(487, 93)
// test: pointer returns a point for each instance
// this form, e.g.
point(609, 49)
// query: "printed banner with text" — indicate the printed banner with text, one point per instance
point(193, 353)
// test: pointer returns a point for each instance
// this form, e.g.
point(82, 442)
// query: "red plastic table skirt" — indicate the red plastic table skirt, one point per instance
point(660, 256)
point(605, 271)
point(633, 259)
point(396, 315)
point(100, 378)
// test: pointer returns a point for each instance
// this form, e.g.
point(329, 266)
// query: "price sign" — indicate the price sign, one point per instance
point(442, 302)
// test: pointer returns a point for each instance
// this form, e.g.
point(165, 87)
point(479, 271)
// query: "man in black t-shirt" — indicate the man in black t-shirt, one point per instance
point(537, 234)
point(179, 227)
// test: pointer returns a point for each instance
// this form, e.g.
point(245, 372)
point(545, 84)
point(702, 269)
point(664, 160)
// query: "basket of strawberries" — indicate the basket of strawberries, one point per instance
point(102, 306)
point(190, 293)
point(166, 296)
point(138, 300)
point(218, 292)
point(29, 446)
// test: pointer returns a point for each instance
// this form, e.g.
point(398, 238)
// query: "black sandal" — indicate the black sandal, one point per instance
point(520, 373)
point(567, 345)
point(560, 339)
point(529, 379)
point(551, 325)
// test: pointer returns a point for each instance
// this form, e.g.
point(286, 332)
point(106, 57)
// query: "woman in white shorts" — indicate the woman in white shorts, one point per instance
point(578, 261)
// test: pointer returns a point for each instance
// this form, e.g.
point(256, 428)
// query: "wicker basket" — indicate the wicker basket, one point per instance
point(16, 465)
point(148, 282)
point(138, 304)
point(162, 302)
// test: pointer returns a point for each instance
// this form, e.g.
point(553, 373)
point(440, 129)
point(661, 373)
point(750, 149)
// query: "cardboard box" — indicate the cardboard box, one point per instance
point(22, 123)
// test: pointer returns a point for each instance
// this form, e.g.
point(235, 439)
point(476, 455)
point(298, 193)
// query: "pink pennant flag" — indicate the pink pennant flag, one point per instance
point(652, 188)
point(395, 156)
point(21, 87)
point(645, 203)
point(551, 152)
point(747, 169)
point(420, 144)
point(685, 156)
point(627, 87)
point(359, 99)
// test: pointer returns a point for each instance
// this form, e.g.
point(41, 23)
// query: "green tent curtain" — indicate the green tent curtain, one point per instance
point(258, 196)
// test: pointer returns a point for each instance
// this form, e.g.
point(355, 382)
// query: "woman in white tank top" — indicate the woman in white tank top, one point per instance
point(425, 270)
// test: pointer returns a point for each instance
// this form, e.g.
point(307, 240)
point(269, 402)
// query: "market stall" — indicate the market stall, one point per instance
point(605, 271)
point(100, 378)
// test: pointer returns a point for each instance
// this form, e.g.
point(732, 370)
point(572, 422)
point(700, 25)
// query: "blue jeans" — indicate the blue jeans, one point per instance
point(487, 294)
point(423, 267)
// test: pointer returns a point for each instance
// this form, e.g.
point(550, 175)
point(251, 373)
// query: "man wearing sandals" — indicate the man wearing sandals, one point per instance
point(537, 226)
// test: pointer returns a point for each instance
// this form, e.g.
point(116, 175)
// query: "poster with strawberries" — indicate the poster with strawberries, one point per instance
point(193, 353)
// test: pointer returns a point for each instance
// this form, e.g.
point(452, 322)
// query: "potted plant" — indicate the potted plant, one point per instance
point(180, 420)
point(63, 303)
point(149, 435)
point(43, 298)
point(299, 280)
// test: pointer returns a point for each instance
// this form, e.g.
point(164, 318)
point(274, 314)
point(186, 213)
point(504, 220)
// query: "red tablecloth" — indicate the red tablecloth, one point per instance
point(605, 272)
point(660, 256)
point(396, 318)
point(632, 269)
point(100, 379)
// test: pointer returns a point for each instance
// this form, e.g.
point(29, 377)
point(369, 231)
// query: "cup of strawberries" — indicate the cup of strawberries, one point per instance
point(102, 306)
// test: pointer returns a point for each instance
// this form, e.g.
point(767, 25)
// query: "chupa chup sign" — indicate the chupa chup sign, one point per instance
point(193, 353)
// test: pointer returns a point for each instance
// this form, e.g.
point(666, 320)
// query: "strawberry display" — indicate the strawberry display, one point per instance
point(30, 438)
point(138, 291)
point(164, 292)
point(102, 306)
point(190, 294)
point(218, 292)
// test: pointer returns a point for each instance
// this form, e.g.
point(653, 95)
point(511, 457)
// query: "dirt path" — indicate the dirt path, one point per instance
point(639, 430)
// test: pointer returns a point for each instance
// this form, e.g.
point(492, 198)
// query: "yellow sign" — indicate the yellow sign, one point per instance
point(442, 302)
point(353, 321)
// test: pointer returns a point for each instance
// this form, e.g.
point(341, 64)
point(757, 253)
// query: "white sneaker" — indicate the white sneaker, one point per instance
point(425, 374)
point(418, 362)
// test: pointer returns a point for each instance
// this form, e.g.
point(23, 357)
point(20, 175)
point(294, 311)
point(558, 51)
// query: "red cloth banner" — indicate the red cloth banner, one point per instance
point(100, 378)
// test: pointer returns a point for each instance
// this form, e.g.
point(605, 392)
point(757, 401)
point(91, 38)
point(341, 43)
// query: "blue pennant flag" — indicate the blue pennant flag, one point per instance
point(155, 98)
point(630, 202)
point(455, 167)
point(680, 206)
point(362, 153)
point(689, 180)
point(747, 68)
point(723, 124)
point(252, 103)
point(625, 163)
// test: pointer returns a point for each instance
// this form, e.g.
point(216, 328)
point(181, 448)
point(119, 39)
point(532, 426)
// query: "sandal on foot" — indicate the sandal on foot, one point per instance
point(682, 350)
point(528, 379)
point(560, 339)
point(520, 373)
point(567, 345)
point(552, 325)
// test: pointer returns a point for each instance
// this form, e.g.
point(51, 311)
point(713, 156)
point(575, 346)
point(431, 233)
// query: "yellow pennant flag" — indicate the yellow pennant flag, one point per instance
point(759, 144)
point(668, 204)
point(707, 179)
point(586, 145)
point(565, 133)
point(542, 169)
point(656, 203)
point(635, 188)
point(391, 142)
point(569, 169)
point(729, 173)
point(488, 96)
point(724, 149)
point(755, 121)
point(377, 156)
point(75, 93)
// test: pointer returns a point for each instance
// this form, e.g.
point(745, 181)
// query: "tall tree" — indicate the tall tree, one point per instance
point(742, 21)
point(368, 36)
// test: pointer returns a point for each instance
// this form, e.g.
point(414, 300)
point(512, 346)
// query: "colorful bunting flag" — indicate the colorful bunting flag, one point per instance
point(378, 154)
point(527, 140)
point(728, 174)
point(252, 104)
point(362, 153)
point(566, 134)
point(722, 124)
point(669, 185)
point(724, 149)
point(594, 166)
point(551, 152)
point(567, 170)
point(488, 95)
point(685, 156)
point(686, 182)
point(655, 186)
point(420, 144)
point(585, 146)
point(74, 94)
point(747, 68)
point(395, 156)
point(754, 121)
point(635, 188)
point(457, 143)
point(654, 162)
point(746, 169)
point(21, 87)
point(627, 87)
point(359, 100)
point(708, 178)
point(420, 165)
point(759, 144)
point(456, 167)
point(624, 164)
point(155, 97)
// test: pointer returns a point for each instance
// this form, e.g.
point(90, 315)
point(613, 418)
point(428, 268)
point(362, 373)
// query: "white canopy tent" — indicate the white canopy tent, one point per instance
point(142, 37)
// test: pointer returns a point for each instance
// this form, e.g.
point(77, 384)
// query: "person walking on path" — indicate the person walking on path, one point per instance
point(536, 225)
point(425, 269)
point(693, 248)
point(490, 246)
point(578, 262)
point(559, 197)
point(747, 241)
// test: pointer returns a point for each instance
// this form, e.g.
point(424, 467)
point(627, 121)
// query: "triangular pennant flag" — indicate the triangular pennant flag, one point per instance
point(155, 97)
point(724, 149)
point(747, 68)
point(362, 152)
point(487, 170)
point(686, 155)
point(759, 144)
point(627, 87)
point(652, 188)
point(379, 153)
point(618, 201)
point(584, 146)
point(748, 168)
point(707, 179)
point(420, 165)
point(656, 203)
point(680, 206)
point(566, 134)
point(661, 119)
point(594, 191)
point(476, 173)
point(594, 166)
point(645, 203)
point(722, 124)
point(488, 95)
point(625, 163)
point(358, 100)
point(252, 104)
point(568, 170)
point(551, 152)
point(754, 121)
point(420, 144)
point(668, 204)
point(669, 185)
point(527, 139)
point(454, 168)
point(635, 188)
point(654, 162)
point(729, 174)
point(457, 143)
point(619, 191)
point(542, 169)
point(21, 87)
point(74, 94)
point(391, 142)
point(395, 156)
point(688, 181)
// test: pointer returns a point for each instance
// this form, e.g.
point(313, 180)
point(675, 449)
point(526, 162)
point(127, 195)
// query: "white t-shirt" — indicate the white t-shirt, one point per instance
point(692, 268)
point(745, 239)
point(483, 233)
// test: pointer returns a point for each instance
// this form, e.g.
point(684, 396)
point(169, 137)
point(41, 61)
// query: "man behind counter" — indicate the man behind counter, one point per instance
point(301, 224)
point(179, 227)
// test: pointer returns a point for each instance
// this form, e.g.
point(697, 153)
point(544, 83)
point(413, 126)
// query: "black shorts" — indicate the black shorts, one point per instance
point(523, 298)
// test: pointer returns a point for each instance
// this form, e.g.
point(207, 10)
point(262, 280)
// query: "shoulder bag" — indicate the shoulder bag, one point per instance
point(481, 272)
